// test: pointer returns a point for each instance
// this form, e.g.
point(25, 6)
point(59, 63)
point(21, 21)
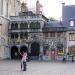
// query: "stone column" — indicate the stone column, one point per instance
point(5, 8)
point(18, 37)
point(41, 48)
point(67, 35)
point(29, 45)
point(1, 7)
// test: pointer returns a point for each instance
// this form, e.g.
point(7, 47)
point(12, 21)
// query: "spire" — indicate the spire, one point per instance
point(38, 7)
point(24, 7)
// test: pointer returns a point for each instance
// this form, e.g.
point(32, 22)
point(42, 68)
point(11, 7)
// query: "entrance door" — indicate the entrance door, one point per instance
point(53, 54)
point(23, 48)
point(35, 49)
point(72, 50)
point(14, 52)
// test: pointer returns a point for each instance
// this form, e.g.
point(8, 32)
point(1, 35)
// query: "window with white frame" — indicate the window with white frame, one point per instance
point(71, 36)
point(71, 23)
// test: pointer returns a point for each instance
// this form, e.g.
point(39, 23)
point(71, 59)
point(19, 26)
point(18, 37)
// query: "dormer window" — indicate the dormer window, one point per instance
point(71, 23)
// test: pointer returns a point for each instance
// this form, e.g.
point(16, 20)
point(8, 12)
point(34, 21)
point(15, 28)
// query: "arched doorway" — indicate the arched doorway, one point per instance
point(23, 48)
point(35, 49)
point(14, 52)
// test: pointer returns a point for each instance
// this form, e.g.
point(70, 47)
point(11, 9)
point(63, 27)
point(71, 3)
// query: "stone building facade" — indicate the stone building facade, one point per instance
point(21, 29)
point(25, 31)
point(54, 34)
point(68, 18)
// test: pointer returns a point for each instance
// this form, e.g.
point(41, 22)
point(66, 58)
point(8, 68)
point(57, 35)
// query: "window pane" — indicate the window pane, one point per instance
point(21, 35)
point(71, 23)
point(45, 34)
point(59, 34)
point(32, 25)
point(26, 35)
point(52, 34)
point(16, 35)
point(22, 26)
point(12, 26)
point(72, 36)
point(12, 35)
point(16, 26)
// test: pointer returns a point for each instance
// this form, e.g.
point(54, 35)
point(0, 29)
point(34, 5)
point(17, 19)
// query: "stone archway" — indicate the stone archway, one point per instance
point(35, 49)
point(23, 48)
point(14, 52)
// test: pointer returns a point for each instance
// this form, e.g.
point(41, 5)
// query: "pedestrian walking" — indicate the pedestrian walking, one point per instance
point(41, 56)
point(72, 58)
point(23, 61)
point(64, 58)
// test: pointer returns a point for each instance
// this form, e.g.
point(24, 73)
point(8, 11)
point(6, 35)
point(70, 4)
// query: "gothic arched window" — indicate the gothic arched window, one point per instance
point(32, 25)
point(37, 25)
point(24, 25)
point(12, 26)
point(16, 25)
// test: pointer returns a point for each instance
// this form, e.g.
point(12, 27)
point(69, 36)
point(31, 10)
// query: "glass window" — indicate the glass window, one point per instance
point(12, 26)
point(37, 25)
point(32, 25)
point(72, 36)
point(52, 34)
point(59, 34)
point(22, 26)
point(72, 50)
point(26, 35)
point(25, 25)
point(12, 35)
point(21, 35)
point(45, 35)
point(16, 26)
point(16, 35)
point(71, 23)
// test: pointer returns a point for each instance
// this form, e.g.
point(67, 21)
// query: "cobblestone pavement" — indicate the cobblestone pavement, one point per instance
point(8, 67)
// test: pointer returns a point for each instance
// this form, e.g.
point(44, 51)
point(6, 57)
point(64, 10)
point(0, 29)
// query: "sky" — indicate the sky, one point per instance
point(51, 8)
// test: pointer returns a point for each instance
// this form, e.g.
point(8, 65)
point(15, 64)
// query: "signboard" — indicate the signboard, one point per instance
point(60, 53)
point(60, 50)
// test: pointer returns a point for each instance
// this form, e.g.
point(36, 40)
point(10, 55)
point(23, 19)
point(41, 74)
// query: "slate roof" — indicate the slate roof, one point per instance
point(54, 26)
point(68, 13)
